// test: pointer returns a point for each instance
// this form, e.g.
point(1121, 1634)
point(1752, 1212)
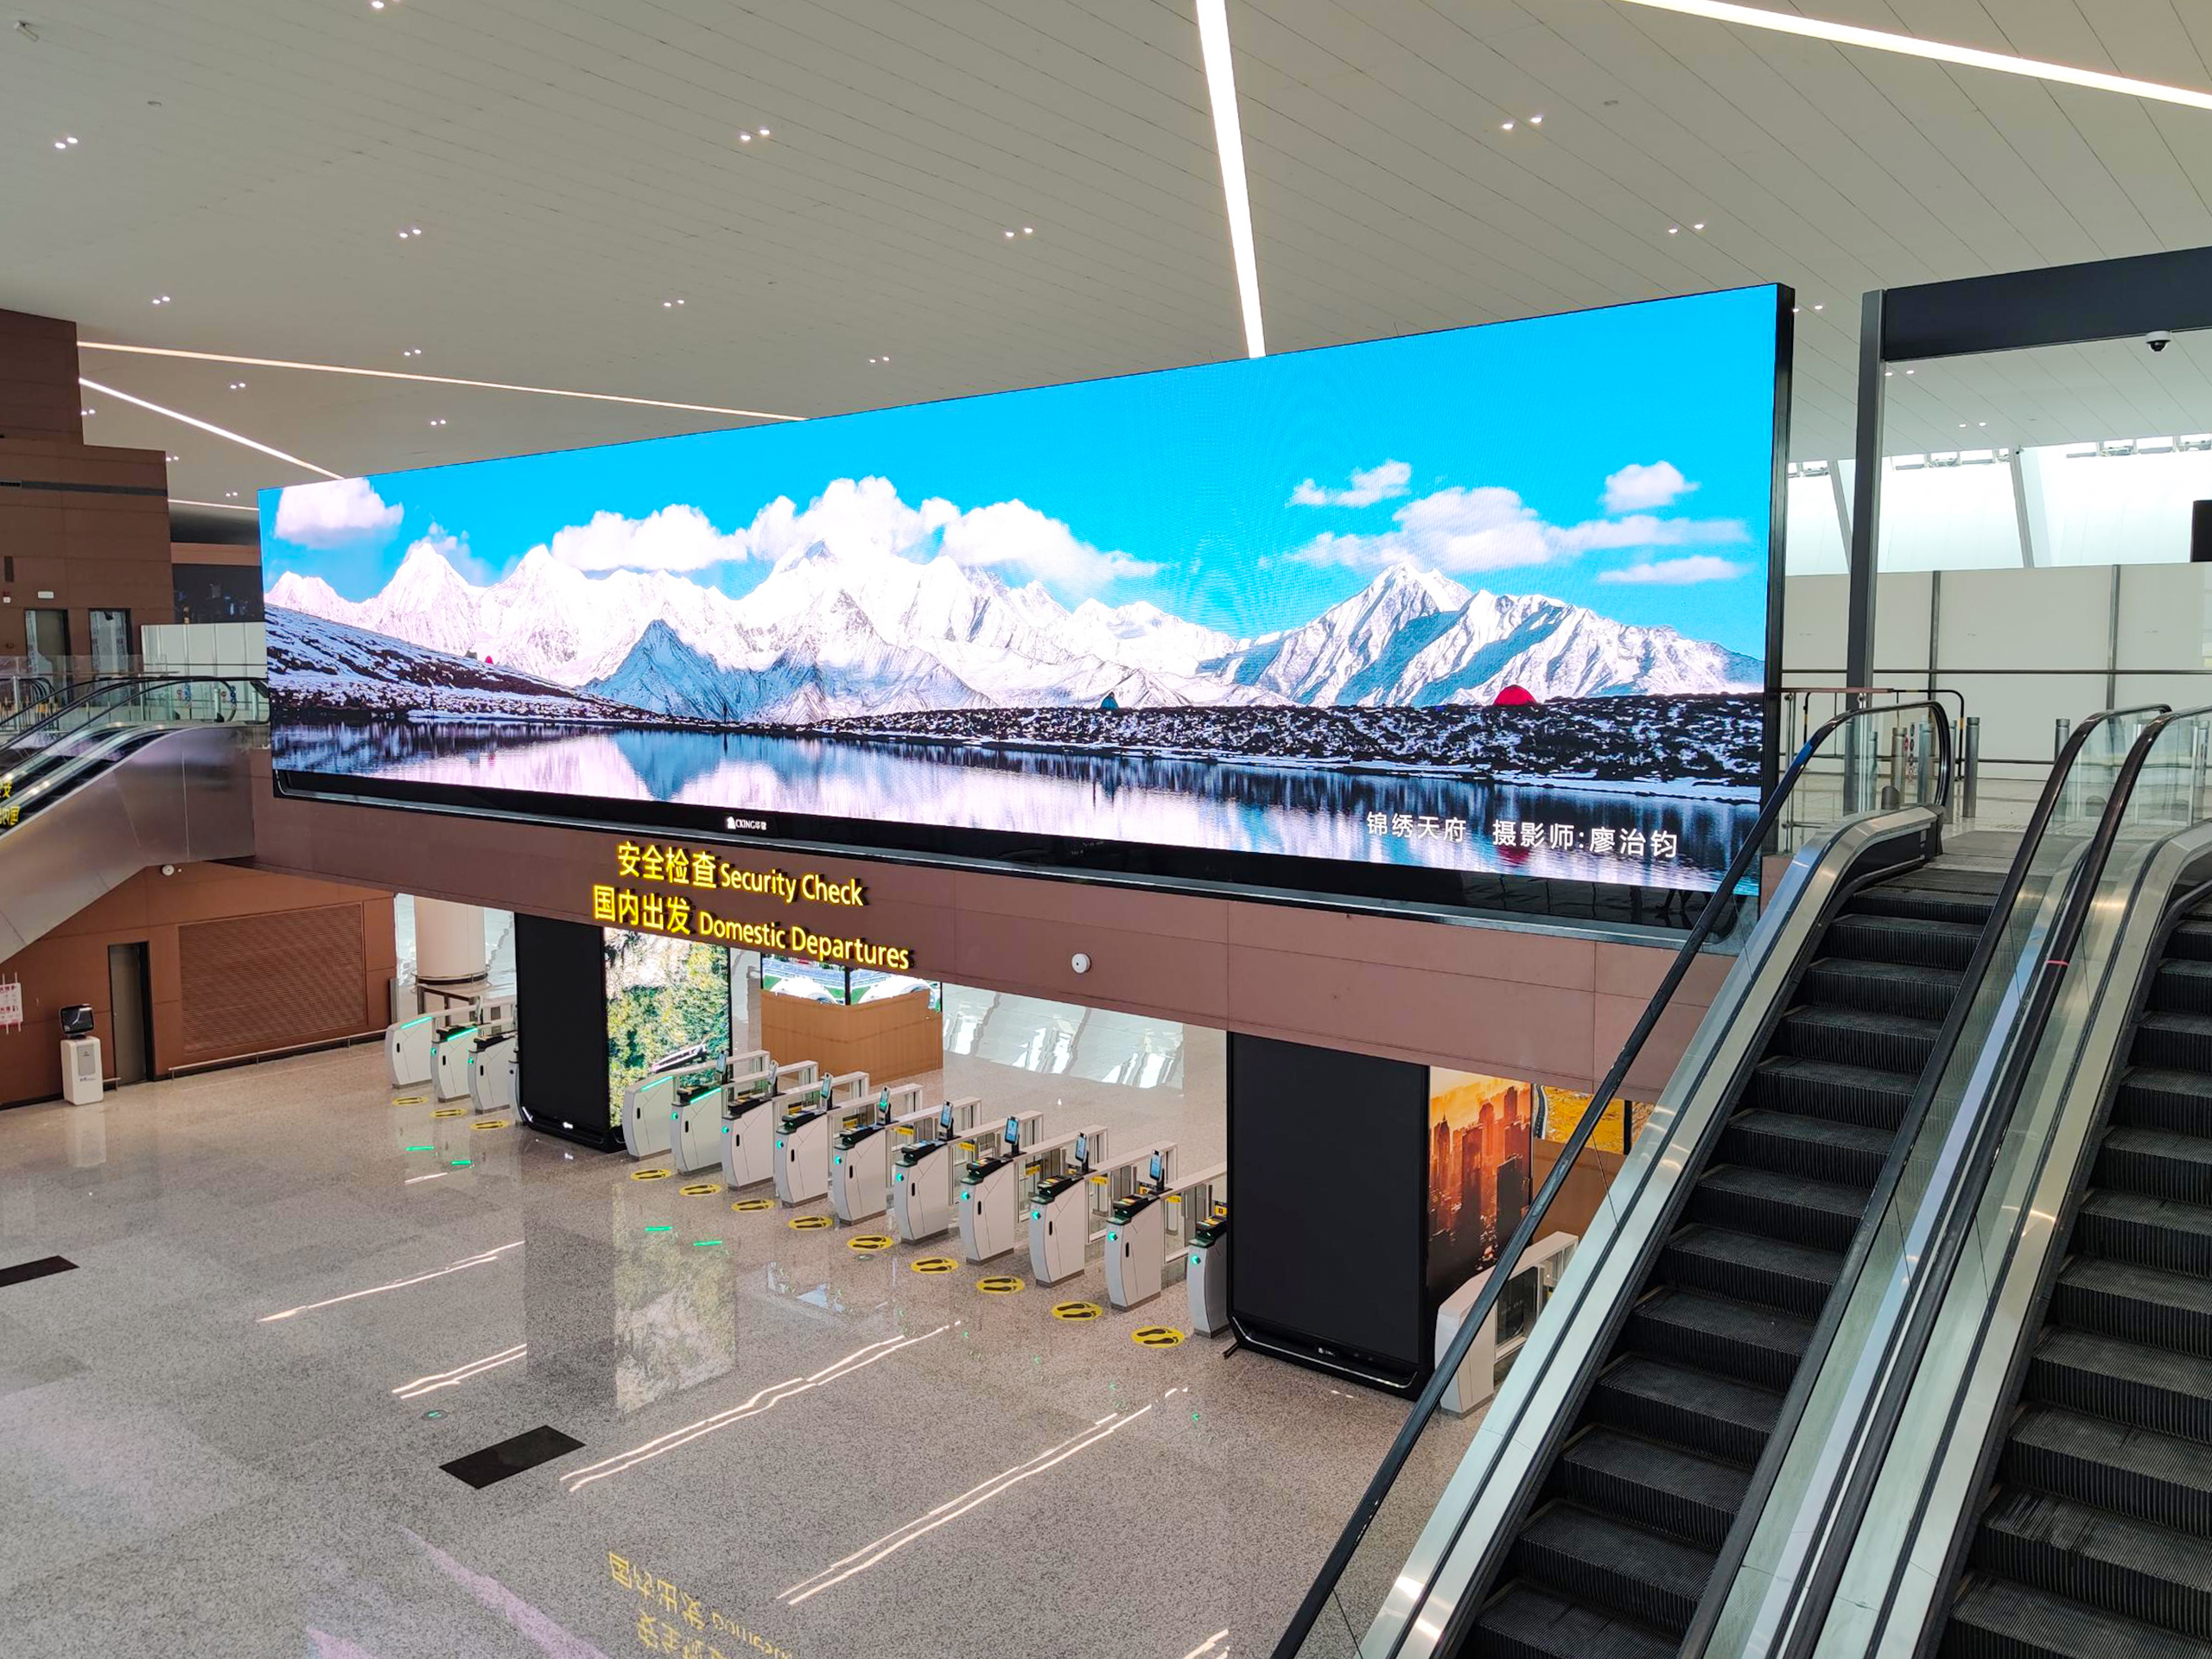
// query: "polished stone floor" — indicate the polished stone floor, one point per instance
point(222, 1432)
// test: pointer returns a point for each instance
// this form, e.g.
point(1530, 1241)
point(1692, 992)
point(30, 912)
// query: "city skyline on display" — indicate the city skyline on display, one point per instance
point(1592, 459)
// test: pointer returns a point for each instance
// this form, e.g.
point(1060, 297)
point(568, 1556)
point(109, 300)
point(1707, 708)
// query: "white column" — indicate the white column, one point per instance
point(448, 943)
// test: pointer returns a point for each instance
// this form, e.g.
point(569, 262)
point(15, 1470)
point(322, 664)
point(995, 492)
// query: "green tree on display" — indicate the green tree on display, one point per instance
point(661, 995)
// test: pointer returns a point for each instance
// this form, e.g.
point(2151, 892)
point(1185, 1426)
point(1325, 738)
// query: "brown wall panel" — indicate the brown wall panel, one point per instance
point(898, 1037)
point(1485, 999)
point(70, 965)
point(253, 983)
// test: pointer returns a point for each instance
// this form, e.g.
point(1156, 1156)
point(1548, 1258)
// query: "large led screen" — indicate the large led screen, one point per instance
point(1394, 619)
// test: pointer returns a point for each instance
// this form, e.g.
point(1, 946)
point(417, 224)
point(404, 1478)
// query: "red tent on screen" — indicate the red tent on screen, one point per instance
point(1512, 698)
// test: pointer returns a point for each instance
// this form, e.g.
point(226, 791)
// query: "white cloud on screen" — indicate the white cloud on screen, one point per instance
point(1636, 487)
point(1369, 486)
point(853, 517)
point(1676, 573)
point(333, 514)
point(674, 537)
point(1460, 530)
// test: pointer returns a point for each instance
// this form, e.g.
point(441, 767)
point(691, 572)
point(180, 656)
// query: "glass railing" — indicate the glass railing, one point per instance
point(1841, 764)
point(40, 758)
point(1917, 1471)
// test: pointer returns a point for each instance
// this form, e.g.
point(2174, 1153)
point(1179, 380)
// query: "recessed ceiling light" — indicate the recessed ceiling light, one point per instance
point(438, 419)
point(170, 458)
point(1796, 309)
point(88, 411)
point(1228, 147)
point(1887, 373)
point(238, 385)
point(1699, 225)
point(1010, 236)
point(159, 299)
point(1029, 230)
point(764, 132)
point(230, 495)
point(1881, 39)
point(744, 137)
point(412, 350)
point(1535, 120)
point(1820, 305)
point(1505, 126)
point(411, 231)
point(1673, 229)
point(1982, 423)
point(1911, 371)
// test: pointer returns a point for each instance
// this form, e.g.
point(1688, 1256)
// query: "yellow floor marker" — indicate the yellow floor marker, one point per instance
point(810, 1224)
point(1077, 1313)
point(753, 1207)
point(934, 1264)
point(493, 1123)
point(411, 1100)
point(869, 1243)
point(451, 1111)
point(701, 1188)
point(1155, 1336)
point(650, 1174)
point(1002, 1284)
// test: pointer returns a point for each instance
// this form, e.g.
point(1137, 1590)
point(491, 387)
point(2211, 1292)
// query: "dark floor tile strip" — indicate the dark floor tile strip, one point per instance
point(511, 1457)
point(23, 1271)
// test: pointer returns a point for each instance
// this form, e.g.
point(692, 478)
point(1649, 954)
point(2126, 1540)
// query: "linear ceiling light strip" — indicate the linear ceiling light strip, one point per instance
point(1229, 140)
point(1882, 39)
point(427, 380)
point(205, 426)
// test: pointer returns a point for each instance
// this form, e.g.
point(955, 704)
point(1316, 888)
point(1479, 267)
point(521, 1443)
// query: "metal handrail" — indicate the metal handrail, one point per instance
point(1394, 1462)
point(1991, 1120)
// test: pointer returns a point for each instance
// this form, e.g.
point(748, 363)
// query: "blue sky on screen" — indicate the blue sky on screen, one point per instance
point(1618, 459)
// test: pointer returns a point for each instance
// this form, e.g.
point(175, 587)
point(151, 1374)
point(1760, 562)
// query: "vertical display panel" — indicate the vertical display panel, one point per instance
point(667, 1000)
point(1479, 1132)
point(1437, 619)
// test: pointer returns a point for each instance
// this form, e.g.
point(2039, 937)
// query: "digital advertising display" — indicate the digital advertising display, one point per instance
point(1420, 619)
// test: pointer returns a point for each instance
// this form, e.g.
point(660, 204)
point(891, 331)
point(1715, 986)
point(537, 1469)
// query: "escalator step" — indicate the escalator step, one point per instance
point(2172, 1311)
point(1661, 1487)
point(1880, 1041)
point(2124, 1382)
point(1526, 1622)
point(1698, 1409)
point(1923, 904)
point(2191, 941)
point(1881, 987)
point(2182, 987)
point(1895, 938)
point(1997, 1619)
point(2153, 1232)
point(2182, 1042)
point(1596, 1558)
point(1843, 1093)
point(1821, 1214)
point(2097, 1559)
point(2156, 1163)
point(1789, 1143)
point(1751, 1268)
point(2150, 1097)
point(2154, 1477)
point(1761, 1345)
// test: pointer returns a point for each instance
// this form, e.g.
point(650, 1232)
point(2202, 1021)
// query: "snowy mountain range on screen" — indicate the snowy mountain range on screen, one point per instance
point(831, 634)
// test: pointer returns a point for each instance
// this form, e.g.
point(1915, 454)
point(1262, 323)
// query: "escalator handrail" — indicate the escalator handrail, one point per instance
point(136, 682)
point(1447, 1365)
point(1987, 1120)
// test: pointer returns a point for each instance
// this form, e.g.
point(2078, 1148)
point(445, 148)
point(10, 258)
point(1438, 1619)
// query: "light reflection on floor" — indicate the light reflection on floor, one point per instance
point(203, 1450)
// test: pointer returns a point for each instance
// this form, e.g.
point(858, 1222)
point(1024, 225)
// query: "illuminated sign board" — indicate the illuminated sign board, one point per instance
point(1436, 619)
point(664, 889)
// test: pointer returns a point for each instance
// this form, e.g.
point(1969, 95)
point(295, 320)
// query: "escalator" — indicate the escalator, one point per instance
point(1632, 1511)
point(2097, 1536)
point(128, 775)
